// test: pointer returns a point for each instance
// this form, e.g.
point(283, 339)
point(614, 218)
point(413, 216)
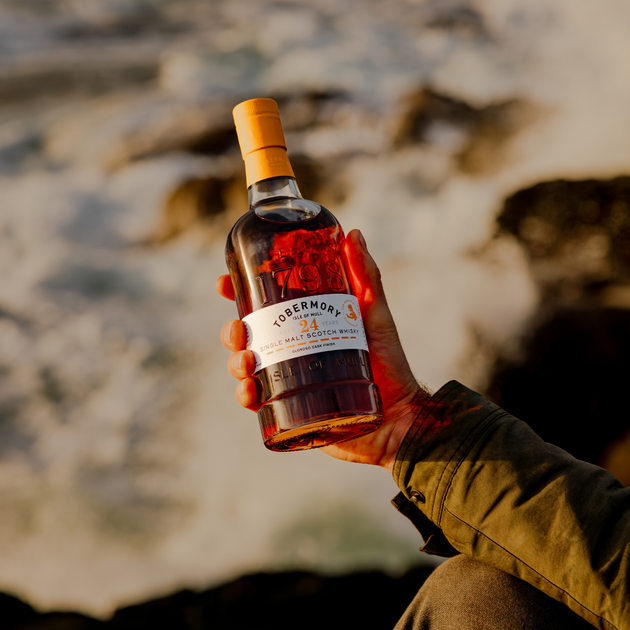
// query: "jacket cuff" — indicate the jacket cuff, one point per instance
point(431, 452)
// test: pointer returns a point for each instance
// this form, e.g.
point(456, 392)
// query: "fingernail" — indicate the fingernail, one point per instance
point(237, 359)
point(239, 391)
point(362, 242)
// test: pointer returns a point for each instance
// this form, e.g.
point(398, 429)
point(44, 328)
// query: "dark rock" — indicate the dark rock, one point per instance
point(575, 233)
point(278, 600)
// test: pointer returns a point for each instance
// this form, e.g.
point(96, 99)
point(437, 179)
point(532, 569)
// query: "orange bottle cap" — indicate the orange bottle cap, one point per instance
point(261, 139)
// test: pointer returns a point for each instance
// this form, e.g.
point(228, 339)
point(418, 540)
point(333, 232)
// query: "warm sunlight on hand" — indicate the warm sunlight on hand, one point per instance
point(402, 395)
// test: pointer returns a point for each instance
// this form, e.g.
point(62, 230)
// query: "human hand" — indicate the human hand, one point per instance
point(401, 394)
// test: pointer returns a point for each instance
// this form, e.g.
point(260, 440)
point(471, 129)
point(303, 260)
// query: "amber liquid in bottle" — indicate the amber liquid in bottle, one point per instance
point(287, 248)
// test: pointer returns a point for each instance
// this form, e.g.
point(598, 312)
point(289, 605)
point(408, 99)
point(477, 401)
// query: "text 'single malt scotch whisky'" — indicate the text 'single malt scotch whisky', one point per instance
point(303, 323)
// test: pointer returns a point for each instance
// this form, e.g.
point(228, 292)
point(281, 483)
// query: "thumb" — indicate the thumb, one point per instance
point(391, 368)
point(365, 278)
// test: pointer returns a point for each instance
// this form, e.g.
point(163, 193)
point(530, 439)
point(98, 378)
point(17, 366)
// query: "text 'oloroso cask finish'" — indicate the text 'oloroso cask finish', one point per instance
point(303, 323)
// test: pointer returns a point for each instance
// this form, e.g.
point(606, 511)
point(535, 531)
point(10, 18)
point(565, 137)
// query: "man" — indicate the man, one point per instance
point(542, 536)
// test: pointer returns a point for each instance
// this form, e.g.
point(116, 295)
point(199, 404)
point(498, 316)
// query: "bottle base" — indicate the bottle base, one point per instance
point(317, 416)
point(323, 433)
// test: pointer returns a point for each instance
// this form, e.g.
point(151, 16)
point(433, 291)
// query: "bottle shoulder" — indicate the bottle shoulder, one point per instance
point(287, 210)
point(271, 262)
point(251, 224)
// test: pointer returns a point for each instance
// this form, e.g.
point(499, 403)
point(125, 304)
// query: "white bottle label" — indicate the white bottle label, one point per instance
point(301, 327)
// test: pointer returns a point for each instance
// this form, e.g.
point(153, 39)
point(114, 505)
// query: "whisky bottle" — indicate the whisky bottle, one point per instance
point(303, 322)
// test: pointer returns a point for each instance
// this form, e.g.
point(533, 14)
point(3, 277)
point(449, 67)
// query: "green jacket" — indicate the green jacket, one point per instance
point(477, 481)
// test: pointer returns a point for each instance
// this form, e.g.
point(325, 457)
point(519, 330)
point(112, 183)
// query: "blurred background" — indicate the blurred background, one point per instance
point(483, 148)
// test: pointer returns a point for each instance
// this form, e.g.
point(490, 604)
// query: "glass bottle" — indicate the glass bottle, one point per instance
point(303, 323)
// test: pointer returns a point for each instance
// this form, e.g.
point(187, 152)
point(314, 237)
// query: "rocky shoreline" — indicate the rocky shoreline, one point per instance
point(280, 600)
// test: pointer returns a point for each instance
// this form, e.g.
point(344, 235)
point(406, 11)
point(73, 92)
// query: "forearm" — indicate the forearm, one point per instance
point(501, 495)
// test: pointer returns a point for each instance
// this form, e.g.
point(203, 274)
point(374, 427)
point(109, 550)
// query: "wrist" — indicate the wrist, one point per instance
point(404, 414)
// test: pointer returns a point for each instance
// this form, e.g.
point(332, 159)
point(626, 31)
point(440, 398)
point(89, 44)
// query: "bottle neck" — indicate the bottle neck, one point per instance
point(278, 199)
point(273, 188)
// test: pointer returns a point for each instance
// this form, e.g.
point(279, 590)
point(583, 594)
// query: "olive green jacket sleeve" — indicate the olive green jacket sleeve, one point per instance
point(477, 481)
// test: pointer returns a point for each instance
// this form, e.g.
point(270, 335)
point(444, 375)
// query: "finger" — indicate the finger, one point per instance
point(234, 335)
point(390, 366)
point(365, 276)
point(242, 364)
point(247, 394)
point(366, 280)
point(225, 287)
